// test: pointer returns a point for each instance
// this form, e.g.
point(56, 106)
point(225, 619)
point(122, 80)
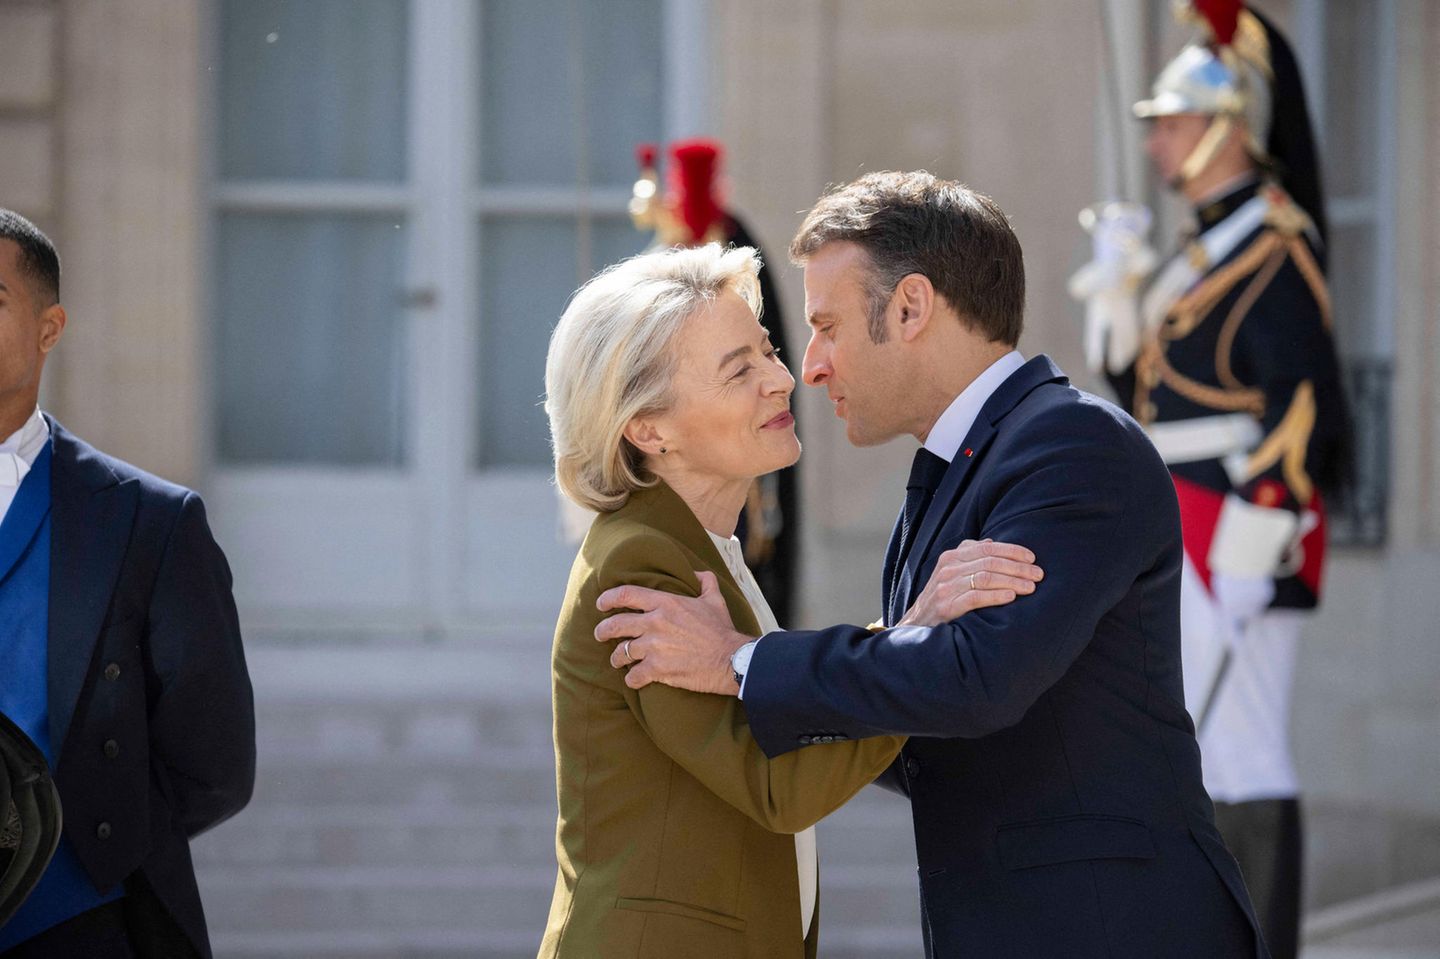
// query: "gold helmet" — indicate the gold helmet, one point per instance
point(1227, 77)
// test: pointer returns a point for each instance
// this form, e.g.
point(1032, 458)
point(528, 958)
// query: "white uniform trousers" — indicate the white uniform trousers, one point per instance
point(1245, 732)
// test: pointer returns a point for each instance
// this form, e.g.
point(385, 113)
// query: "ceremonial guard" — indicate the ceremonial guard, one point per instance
point(689, 213)
point(1227, 358)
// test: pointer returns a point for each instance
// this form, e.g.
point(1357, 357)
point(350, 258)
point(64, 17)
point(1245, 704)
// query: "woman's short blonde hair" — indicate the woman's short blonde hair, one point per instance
point(612, 358)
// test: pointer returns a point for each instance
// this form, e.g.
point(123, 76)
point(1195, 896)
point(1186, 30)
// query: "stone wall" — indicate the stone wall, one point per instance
point(100, 110)
point(29, 106)
point(850, 87)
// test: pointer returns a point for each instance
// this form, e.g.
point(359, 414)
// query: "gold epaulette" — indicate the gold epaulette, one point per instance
point(1283, 214)
point(1289, 221)
point(1285, 217)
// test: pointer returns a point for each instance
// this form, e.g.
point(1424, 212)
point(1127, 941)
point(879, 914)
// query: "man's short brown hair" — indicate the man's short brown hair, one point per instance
point(918, 223)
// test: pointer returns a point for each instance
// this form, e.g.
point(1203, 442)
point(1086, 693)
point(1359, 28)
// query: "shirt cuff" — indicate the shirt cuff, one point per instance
point(747, 660)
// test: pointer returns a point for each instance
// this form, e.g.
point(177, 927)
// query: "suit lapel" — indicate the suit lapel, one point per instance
point(92, 512)
point(26, 514)
point(1036, 372)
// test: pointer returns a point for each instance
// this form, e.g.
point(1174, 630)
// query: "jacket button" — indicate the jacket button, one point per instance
point(112, 749)
point(112, 672)
point(912, 767)
point(102, 831)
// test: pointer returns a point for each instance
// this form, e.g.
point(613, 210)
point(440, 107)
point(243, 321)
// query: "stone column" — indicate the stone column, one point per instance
point(28, 92)
point(128, 376)
point(1415, 496)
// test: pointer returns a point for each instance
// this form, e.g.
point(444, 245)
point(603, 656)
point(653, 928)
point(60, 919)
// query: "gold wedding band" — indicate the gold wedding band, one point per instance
point(972, 580)
point(625, 648)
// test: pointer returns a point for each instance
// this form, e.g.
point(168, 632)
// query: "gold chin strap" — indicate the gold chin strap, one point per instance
point(1206, 149)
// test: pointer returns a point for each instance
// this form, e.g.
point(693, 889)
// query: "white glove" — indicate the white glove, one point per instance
point(1242, 598)
point(1110, 282)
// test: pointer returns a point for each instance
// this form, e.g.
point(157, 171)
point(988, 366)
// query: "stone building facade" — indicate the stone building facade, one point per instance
point(112, 137)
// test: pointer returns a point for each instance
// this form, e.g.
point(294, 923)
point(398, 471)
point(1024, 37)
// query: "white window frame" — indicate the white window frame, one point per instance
point(443, 317)
point(1377, 208)
point(1363, 520)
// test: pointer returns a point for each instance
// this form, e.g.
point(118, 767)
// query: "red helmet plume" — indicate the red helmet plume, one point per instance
point(1222, 16)
point(694, 184)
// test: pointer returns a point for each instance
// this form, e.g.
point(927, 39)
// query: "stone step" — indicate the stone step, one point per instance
point(432, 728)
point(405, 807)
point(873, 829)
point(503, 901)
point(408, 780)
point(877, 942)
point(380, 835)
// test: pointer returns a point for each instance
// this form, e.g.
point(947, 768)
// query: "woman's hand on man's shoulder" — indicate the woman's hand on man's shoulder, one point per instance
point(974, 575)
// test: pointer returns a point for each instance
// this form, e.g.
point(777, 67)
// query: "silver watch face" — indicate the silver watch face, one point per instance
point(740, 660)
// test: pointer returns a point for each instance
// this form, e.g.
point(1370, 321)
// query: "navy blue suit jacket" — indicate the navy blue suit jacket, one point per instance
point(149, 696)
point(1052, 771)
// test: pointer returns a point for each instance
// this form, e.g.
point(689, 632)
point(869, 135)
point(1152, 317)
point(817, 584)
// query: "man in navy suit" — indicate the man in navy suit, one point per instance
point(1052, 769)
point(120, 656)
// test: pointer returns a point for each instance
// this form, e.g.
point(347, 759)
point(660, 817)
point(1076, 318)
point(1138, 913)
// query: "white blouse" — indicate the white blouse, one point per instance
point(806, 859)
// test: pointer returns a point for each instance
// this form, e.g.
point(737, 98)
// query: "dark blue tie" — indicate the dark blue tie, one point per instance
point(926, 472)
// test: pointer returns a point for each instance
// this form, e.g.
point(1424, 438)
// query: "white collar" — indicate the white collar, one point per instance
point(1222, 190)
point(20, 449)
point(951, 428)
point(729, 546)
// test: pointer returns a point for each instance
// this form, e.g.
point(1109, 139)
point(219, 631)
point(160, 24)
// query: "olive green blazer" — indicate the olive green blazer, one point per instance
point(674, 834)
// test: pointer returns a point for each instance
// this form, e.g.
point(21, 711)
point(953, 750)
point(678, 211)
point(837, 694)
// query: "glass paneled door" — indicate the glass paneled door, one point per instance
point(406, 194)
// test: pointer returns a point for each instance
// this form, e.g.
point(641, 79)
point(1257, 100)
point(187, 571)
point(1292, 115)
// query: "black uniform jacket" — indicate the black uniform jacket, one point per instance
point(1254, 336)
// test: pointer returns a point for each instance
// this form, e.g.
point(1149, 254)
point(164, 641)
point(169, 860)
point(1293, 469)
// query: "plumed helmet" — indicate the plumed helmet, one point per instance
point(1244, 68)
point(692, 209)
point(1228, 78)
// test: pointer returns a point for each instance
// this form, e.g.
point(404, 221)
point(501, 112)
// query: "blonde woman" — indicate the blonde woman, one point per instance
point(677, 836)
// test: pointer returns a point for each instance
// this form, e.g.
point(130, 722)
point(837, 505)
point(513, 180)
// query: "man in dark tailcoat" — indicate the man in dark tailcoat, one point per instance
point(121, 657)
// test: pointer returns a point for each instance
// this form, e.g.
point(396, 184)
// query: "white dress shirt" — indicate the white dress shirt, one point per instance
point(17, 456)
point(954, 424)
point(807, 862)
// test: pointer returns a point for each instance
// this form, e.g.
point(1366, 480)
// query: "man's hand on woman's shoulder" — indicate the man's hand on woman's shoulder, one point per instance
point(682, 641)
